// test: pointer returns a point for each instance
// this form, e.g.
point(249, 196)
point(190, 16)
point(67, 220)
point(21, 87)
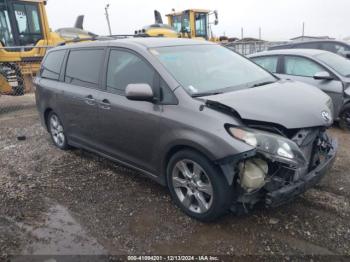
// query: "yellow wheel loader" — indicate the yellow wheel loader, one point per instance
point(24, 38)
point(190, 23)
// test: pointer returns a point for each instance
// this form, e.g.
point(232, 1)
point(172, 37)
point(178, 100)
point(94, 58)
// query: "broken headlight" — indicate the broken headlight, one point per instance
point(273, 146)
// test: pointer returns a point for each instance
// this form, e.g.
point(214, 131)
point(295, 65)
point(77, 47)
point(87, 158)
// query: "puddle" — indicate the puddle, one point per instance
point(61, 234)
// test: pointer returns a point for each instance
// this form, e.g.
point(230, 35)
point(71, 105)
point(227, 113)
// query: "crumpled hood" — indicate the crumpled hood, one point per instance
point(287, 103)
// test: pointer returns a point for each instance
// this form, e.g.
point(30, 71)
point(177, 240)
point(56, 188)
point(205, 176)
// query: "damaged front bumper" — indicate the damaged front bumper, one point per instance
point(289, 192)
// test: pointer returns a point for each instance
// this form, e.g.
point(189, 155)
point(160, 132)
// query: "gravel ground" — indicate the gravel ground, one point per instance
point(54, 201)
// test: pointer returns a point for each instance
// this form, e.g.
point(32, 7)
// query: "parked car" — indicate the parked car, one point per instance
point(327, 71)
point(337, 47)
point(221, 132)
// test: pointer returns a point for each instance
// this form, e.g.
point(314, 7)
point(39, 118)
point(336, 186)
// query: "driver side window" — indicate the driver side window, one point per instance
point(300, 66)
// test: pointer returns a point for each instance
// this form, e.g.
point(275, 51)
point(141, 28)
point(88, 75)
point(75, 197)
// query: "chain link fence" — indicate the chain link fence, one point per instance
point(18, 67)
point(250, 47)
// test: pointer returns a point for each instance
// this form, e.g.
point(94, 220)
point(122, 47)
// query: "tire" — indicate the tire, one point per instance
point(204, 197)
point(56, 131)
point(344, 118)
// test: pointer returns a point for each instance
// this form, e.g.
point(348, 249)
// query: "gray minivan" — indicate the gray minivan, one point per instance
point(221, 132)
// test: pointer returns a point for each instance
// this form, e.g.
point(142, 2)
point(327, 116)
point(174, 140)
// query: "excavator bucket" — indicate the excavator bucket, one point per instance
point(79, 22)
point(158, 17)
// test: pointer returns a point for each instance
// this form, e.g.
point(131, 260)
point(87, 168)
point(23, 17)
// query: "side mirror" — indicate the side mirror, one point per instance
point(347, 55)
point(139, 92)
point(216, 21)
point(323, 76)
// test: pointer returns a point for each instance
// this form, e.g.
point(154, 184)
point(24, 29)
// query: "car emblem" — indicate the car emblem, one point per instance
point(326, 116)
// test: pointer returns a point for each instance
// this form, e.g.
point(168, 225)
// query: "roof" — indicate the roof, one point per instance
point(194, 10)
point(303, 52)
point(147, 42)
point(312, 37)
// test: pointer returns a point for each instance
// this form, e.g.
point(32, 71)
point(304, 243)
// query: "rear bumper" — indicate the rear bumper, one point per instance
point(289, 192)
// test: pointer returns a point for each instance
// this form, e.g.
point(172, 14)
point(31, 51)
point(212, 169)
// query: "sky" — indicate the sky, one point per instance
point(278, 19)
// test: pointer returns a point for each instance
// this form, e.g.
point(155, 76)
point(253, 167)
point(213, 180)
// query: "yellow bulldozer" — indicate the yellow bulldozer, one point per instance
point(25, 36)
point(190, 23)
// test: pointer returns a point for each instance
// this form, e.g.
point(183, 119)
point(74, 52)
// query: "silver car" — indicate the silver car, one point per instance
point(219, 131)
point(323, 69)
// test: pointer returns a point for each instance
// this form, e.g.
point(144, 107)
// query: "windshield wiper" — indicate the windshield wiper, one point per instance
point(206, 94)
point(263, 83)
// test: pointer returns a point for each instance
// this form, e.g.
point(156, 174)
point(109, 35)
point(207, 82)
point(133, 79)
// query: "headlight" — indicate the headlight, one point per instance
point(275, 146)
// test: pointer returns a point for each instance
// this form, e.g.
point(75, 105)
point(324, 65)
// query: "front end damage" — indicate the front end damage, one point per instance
point(276, 176)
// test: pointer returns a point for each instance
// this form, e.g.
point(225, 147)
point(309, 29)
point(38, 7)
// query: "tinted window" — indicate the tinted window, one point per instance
point(335, 48)
point(126, 68)
point(308, 45)
point(52, 65)
point(300, 66)
point(83, 67)
point(267, 62)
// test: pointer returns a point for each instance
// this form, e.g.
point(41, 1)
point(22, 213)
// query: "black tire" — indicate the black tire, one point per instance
point(222, 192)
point(344, 118)
point(58, 132)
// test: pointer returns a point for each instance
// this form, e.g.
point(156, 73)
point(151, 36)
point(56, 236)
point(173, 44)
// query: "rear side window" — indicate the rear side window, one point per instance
point(300, 66)
point(52, 65)
point(83, 67)
point(267, 62)
point(126, 68)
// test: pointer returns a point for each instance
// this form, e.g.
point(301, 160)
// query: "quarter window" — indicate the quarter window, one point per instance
point(83, 67)
point(267, 62)
point(300, 66)
point(52, 65)
point(126, 68)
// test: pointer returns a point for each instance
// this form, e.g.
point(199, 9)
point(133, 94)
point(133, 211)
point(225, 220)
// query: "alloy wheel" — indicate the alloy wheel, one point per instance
point(192, 186)
point(56, 130)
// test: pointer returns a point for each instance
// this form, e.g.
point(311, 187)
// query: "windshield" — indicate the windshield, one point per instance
point(337, 62)
point(211, 68)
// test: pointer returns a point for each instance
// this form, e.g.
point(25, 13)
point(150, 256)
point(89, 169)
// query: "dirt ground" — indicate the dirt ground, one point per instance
point(74, 202)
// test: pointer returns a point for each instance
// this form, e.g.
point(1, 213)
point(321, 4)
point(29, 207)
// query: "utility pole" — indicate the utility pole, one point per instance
point(303, 33)
point(259, 33)
point(108, 22)
point(242, 33)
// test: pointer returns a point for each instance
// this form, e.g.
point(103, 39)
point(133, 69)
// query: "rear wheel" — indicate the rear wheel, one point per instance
point(197, 186)
point(344, 121)
point(57, 131)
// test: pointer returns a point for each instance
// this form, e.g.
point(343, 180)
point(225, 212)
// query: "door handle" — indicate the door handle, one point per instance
point(90, 100)
point(105, 104)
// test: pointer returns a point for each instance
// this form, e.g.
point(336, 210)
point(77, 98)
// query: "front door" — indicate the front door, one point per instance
point(129, 130)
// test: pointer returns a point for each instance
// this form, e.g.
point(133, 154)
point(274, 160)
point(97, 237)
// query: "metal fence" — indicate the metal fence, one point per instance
point(18, 66)
point(250, 47)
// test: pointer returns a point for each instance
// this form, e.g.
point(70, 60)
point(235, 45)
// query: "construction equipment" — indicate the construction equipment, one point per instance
point(24, 38)
point(190, 23)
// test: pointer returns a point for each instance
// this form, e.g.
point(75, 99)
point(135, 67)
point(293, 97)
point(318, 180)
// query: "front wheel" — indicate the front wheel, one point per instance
point(197, 186)
point(344, 118)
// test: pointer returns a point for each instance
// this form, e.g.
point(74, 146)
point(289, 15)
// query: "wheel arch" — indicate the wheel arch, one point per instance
point(46, 115)
point(173, 149)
